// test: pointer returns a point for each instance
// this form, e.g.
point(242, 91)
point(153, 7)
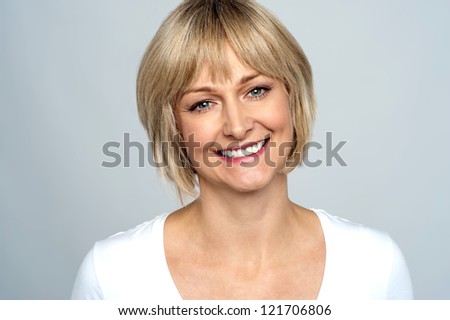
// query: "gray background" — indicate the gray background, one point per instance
point(67, 82)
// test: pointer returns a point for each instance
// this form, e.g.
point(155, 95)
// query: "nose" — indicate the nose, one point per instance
point(237, 121)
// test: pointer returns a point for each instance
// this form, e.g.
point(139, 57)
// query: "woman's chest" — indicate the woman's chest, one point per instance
point(299, 278)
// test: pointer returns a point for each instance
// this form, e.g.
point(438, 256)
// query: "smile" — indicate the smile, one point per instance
point(243, 152)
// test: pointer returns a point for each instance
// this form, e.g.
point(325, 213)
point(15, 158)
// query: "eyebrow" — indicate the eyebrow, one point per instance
point(241, 81)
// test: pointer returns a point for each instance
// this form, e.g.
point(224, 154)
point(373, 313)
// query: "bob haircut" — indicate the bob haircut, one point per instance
point(195, 33)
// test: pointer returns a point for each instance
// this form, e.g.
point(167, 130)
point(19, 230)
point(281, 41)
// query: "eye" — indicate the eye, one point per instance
point(201, 106)
point(258, 92)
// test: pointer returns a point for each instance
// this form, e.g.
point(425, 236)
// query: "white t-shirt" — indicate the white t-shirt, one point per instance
point(361, 263)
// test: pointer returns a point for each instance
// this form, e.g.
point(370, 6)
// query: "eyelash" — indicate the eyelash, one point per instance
point(264, 89)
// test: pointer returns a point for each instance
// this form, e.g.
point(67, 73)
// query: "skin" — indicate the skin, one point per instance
point(242, 238)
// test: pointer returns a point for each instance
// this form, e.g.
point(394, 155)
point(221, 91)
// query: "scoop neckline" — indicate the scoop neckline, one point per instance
point(324, 223)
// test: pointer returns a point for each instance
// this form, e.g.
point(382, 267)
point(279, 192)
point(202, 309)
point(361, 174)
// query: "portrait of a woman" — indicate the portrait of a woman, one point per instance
point(226, 95)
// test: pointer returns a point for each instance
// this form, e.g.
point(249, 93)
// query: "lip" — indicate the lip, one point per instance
point(245, 158)
point(244, 146)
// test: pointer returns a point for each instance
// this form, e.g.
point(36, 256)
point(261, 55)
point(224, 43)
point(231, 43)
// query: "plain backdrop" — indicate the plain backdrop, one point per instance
point(67, 86)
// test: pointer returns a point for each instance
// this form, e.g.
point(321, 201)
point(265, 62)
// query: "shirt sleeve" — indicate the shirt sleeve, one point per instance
point(86, 286)
point(399, 285)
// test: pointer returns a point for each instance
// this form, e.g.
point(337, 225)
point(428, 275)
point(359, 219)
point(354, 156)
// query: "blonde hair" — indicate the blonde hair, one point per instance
point(195, 33)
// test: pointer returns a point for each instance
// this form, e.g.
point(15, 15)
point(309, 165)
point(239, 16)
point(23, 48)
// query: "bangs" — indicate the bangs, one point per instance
point(207, 32)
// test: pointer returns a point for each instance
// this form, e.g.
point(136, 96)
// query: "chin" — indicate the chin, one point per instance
point(251, 185)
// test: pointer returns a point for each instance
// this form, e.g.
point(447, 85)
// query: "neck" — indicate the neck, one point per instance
point(252, 223)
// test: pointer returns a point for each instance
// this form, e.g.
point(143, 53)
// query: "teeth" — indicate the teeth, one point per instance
point(238, 153)
point(249, 150)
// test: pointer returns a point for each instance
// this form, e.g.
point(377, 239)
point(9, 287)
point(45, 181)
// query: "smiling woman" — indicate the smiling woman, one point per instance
point(240, 121)
point(182, 51)
point(231, 90)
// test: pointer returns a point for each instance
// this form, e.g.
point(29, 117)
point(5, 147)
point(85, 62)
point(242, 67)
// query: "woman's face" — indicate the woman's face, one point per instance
point(238, 132)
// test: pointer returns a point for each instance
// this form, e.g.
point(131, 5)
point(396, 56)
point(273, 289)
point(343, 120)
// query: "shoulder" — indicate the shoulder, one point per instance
point(358, 247)
point(354, 236)
point(123, 265)
point(127, 243)
point(368, 262)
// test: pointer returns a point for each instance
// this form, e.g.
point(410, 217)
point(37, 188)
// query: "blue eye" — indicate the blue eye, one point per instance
point(201, 106)
point(258, 92)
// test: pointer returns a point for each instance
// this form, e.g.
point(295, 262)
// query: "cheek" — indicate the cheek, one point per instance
point(198, 136)
point(200, 132)
point(190, 129)
point(279, 121)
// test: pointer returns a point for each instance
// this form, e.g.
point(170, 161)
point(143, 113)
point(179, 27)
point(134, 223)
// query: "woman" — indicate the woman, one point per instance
point(230, 90)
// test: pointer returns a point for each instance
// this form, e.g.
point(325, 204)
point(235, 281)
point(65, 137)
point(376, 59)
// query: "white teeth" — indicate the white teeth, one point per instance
point(249, 150)
point(239, 153)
